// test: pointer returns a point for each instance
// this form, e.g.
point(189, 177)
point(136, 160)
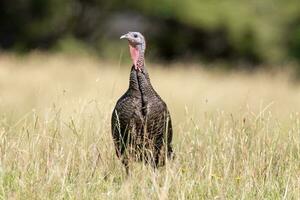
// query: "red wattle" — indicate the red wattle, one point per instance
point(134, 52)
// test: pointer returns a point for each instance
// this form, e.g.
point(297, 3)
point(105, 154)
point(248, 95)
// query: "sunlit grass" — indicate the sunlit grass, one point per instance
point(237, 136)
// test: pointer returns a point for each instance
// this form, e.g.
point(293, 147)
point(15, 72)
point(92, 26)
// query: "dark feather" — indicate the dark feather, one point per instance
point(141, 123)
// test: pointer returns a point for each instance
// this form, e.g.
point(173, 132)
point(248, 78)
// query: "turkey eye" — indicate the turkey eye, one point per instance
point(135, 35)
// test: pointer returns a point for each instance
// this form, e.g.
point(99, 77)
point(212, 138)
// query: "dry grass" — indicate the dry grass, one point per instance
point(237, 136)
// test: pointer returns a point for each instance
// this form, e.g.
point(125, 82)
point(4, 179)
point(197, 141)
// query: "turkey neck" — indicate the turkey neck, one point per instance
point(139, 77)
point(144, 82)
point(133, 82)
point(137, 55)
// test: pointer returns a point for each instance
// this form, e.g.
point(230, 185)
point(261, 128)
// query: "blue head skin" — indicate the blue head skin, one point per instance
point(137, 46)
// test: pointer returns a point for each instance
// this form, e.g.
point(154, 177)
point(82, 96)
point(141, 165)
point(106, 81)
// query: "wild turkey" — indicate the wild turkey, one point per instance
point(141, 123)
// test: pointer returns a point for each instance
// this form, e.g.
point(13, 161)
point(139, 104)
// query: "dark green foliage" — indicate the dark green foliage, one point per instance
point(250, 32)
point(294, 40)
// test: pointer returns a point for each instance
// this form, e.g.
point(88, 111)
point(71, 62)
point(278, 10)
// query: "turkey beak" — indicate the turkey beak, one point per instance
point(124, 36)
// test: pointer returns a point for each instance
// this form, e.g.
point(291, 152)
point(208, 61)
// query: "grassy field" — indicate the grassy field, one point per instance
point(237, 135)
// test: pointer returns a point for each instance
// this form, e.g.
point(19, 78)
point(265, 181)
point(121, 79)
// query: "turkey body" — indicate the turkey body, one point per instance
point(141, 123)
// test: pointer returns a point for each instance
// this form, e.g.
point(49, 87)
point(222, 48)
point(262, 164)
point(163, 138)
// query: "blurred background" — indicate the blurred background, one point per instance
point(229, 71)
point(238, 34)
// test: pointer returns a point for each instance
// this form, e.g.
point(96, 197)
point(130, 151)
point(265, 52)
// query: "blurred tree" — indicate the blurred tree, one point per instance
point(29, 24)
point(232, 31)
point(293, 34)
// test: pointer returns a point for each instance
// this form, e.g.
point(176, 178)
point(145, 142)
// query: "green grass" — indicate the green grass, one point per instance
point(237, 136)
